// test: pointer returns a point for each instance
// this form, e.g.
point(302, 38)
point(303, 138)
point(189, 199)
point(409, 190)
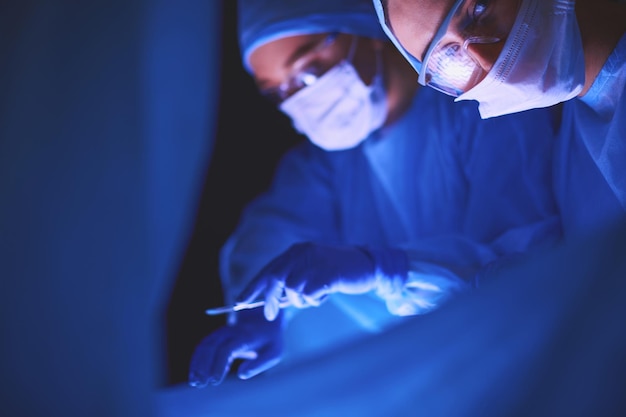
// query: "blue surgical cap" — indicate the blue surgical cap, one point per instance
point(380, 12)
point(262, 21)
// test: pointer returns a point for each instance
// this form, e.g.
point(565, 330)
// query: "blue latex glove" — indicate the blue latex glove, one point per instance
point(258, 341)
point(307, 273)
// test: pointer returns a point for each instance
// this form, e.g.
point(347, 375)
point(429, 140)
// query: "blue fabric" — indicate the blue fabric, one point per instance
point(452, 190)
point(261, 21)
point(544, 339)
point(590, 174)
point(590, 180)
point(105, 135)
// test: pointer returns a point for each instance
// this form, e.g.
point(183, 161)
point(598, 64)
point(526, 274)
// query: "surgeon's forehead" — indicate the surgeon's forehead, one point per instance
point(415, 22)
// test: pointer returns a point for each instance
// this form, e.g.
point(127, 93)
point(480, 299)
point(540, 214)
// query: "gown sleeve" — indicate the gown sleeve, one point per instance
point(510, 210)
point(298, 207)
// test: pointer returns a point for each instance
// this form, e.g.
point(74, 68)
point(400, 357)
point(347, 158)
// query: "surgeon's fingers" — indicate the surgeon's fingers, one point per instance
point(275, 270)
point(273, 296)
point(295, 297)
point(224, 357)
point(268, 357)
point(251, 292)
point(302, 283)
point(202, 360)
point(316, 292)
point(314, 300)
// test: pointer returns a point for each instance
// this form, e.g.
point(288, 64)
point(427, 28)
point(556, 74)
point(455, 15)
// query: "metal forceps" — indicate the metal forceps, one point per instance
point(243, 306)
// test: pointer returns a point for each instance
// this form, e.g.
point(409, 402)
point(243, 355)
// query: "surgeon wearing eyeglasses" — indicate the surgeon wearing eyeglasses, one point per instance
point(514, 55)
point(399, 199)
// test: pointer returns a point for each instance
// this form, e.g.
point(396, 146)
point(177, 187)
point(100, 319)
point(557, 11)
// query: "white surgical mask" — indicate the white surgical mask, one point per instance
point(339, 111)
point(541, 64)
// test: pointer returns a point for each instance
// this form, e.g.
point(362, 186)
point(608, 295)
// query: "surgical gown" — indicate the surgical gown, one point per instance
point(545, 339)
point(590, 155)
point(456, 192)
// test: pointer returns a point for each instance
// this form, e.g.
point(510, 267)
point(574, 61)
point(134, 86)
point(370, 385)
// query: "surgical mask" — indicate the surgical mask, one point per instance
point(338, 111)
point(541, 64)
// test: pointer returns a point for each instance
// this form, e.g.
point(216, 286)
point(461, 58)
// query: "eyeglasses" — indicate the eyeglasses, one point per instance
point(306, 71)
point(447, 65)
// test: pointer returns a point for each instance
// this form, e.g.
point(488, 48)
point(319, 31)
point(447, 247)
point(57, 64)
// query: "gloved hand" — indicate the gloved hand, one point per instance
point(307, 273)
point(258, 341)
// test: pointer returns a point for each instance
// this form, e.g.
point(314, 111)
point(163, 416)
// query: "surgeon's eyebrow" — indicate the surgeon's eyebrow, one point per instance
point(301, 51)
point(295, 56)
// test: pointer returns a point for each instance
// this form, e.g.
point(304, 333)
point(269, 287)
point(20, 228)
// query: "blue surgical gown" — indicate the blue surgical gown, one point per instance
point(456, 192)
point(545, 339)
point(590, 155)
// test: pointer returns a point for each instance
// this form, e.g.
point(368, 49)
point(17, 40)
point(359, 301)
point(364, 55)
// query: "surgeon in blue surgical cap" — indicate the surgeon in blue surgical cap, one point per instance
point(399, 199)
point(514, 55)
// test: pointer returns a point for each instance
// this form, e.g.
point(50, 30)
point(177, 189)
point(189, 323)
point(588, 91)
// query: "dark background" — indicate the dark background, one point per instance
point(251, 136)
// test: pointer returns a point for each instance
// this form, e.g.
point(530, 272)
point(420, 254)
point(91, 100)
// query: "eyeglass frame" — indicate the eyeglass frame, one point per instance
point(286, 89)
point(439, 35)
